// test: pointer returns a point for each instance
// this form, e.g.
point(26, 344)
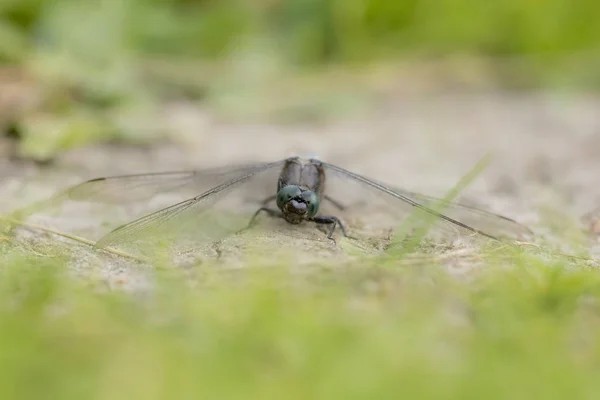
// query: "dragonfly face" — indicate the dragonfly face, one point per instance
point(297, 204)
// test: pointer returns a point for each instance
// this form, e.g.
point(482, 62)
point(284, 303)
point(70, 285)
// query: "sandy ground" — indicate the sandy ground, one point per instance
point(545, 161)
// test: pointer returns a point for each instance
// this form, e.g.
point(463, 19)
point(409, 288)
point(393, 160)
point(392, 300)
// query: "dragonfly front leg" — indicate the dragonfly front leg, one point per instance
point(270, 211)
point(334, 222)
point(268, 200)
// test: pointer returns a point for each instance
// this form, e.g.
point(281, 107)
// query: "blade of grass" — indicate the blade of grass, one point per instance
point(75, 238)
point(412, 242)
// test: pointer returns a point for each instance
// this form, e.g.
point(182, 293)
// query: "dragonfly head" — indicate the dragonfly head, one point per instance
point(297, 204)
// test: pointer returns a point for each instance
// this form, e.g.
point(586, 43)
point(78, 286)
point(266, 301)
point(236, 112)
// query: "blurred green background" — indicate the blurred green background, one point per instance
point(79, 71)
point(302, 31)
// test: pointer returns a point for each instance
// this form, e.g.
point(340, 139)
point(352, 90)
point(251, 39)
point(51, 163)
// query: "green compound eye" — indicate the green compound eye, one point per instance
point(312, 201)
point(286, 194)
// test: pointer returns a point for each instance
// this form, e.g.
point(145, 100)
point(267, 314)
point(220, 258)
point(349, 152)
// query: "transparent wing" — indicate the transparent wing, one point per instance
point(478, 219)
point(387, 206)
point(131, 188)
point(197, 218)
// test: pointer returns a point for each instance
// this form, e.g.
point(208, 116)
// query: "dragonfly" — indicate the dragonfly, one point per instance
point(301, 189)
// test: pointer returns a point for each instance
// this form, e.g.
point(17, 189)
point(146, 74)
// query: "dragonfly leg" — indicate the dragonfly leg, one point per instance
point(268, 200)
point(334, 222)
point(270, 211)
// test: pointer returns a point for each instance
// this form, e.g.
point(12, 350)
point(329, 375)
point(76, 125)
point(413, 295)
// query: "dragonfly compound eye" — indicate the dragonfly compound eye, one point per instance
point(286, 194)
point(312, 201)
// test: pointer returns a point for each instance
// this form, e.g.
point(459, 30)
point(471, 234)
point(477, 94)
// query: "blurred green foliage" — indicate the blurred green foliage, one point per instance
point(305, 30)
point(98, 58)
point(370, 330)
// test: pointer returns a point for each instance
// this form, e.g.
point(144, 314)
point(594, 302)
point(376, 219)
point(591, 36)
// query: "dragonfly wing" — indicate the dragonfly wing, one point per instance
point(132, 188)
point(198, 216)
point(482, 220)
point(453, 218)
point(129, 188)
